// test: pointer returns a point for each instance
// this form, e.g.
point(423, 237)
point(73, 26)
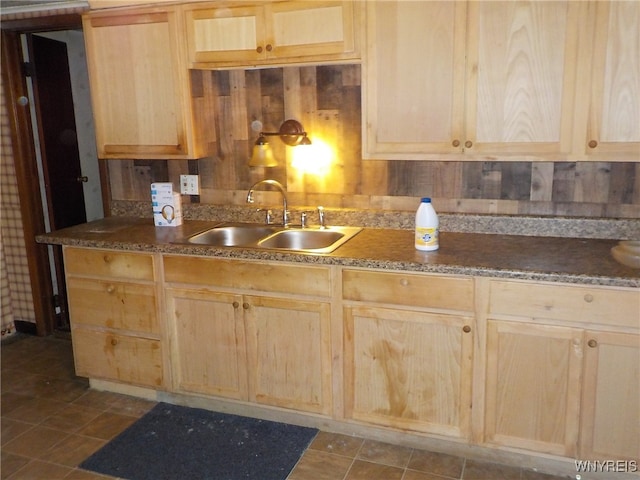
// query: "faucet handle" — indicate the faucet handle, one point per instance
point(268, 215)
point(321, 216)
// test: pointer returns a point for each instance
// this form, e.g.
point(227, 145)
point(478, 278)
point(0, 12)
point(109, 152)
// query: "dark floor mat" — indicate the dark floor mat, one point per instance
point(173, 442)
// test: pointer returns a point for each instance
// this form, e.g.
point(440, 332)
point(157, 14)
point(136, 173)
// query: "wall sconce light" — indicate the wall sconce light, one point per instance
point(291, 132)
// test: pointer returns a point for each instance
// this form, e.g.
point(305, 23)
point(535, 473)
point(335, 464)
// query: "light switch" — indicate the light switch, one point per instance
point(190, 184)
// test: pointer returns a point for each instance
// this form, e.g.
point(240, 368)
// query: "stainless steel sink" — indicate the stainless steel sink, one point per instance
point(233, 235)
point(309, 239)
point(274, 237)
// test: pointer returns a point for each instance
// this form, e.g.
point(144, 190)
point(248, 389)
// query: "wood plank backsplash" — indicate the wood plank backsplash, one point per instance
point(326, 99)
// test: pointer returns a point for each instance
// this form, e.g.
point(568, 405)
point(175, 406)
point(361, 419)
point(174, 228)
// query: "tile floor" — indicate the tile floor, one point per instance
point(51, 422)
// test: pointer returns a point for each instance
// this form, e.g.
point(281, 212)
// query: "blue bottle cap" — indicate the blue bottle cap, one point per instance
point(426, 200)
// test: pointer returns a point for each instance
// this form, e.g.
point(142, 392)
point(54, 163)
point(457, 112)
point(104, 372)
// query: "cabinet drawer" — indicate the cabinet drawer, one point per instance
point(566, 302)
point(416, 290)
point(268, 277)
point(113, 304)
point(117, 357)
point(106, 263)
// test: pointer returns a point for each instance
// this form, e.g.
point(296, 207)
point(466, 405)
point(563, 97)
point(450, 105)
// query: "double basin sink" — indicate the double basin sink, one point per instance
point(275, 237)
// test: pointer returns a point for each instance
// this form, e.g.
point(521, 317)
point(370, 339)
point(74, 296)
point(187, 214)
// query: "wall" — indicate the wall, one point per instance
point(326, 100)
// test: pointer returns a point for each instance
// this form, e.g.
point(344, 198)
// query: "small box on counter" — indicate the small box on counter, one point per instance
point(167, 205)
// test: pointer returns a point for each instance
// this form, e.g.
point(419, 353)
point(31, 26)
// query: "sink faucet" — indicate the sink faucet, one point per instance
point(278, 185)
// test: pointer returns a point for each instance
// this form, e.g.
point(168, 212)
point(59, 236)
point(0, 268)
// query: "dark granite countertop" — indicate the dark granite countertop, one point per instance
point(572, 260)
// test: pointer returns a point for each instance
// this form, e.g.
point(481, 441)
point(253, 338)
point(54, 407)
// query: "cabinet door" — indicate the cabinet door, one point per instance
point(532, 386)
point(408, 370)
point(225, 35)
point(289, 351)
point(414, 70)
point(309, 29)
point(521, 70)
point(139, 85)
point(208, 342)
point(611, 397)
point(614, 116)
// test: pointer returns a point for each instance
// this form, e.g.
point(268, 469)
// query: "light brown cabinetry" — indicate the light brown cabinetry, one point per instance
point(113, 306)
point(611, 396)
point(248, 34)
point(408, 342)
point(559, 378)
point(140, 85)
point(613, 125)
point(491, 78)
point(251, 331)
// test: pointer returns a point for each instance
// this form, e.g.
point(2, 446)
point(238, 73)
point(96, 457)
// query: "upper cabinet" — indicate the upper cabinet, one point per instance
point(241, 35)
point(469, 79)
point(613, 126)
point(140, 85)
point(498, 80)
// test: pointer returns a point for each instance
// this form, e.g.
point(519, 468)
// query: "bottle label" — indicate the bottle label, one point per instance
point(426, 237)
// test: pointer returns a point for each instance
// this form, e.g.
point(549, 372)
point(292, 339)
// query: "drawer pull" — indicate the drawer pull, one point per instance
point(468, 144)
point(466, 329)
point(246, 306)
point(592, 343)
point(259, 49)
point(114, 341)
point(588, 298)
point(455, 143)
point(404, 282)
point(111, 289)
point(107, 259)
point(235, 304)
point(593, 144)
point(269, 47)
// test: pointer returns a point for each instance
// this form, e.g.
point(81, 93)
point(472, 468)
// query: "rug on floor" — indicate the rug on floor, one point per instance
point(174, 442)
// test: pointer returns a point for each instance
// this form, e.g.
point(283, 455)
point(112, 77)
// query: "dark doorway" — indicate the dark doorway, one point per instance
point(57, 131)
point(38, 219)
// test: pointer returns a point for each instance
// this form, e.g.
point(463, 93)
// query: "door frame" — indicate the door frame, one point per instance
point(24, 157)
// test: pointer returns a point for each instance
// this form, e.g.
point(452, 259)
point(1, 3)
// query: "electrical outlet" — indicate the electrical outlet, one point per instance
point(190, 184)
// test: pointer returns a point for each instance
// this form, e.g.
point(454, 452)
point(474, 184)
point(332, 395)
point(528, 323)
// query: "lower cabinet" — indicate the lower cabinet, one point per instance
point(272, 348)
point(533, 386)
point(541, 368)
point(115, 325)
point(408, 368)
point(563, 369)
point(610, 417)
point(209, 338)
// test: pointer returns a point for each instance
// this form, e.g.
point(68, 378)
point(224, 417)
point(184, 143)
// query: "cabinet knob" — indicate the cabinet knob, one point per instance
point(269, 47)
point(455, 143)
point(259, 49)
point(111, 289)
point(114, 341)
point(588, 298)
point(466, 329)
point(592, 343)
point(593, 144)
point(468, 144)
point(246, 306)
point(107, 258)
point(404, 282)
point(235, 304)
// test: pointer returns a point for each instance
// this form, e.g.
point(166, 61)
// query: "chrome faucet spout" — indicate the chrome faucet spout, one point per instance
point(277, 185)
